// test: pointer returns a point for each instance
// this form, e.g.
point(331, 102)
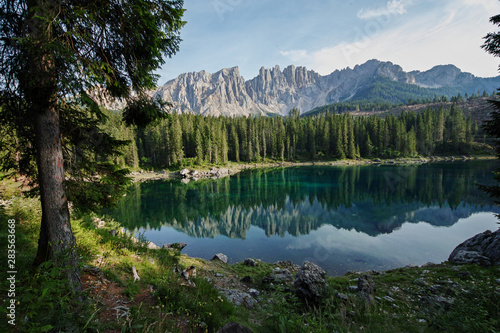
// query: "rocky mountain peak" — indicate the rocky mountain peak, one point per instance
point(274, 91)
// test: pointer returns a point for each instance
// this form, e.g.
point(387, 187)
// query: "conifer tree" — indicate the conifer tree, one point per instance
point(56, 57)
point(492, 126)
point(198, 147)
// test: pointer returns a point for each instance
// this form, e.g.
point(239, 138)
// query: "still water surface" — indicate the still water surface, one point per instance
point(342, 218)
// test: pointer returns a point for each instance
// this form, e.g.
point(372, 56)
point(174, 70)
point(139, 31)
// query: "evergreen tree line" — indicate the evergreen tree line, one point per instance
point(372, 104)
point(188, 139)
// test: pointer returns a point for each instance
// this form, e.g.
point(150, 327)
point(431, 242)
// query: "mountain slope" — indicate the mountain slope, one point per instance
point(274, 91)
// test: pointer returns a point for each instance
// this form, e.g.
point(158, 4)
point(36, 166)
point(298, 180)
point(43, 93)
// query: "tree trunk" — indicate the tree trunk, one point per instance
point(56, 238)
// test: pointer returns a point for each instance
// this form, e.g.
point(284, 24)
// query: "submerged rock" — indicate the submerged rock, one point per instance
point(484, 249)
point(175, 246)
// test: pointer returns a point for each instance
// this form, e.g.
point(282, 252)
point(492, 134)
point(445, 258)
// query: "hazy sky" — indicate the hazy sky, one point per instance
point(325, 35)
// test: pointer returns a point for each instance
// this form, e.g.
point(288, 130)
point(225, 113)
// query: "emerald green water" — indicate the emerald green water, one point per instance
point(343, 218)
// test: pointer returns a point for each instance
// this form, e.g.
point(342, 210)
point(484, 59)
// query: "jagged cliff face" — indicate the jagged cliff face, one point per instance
point(442, 76)
point(277, 92)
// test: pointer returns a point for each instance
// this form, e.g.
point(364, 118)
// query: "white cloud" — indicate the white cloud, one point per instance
point(295, 55)
point(393, 7)
point(452, 35)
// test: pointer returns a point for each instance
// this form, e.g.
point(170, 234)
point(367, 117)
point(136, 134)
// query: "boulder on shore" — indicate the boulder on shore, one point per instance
point(184, 173)
point(484, 249)
point(366, 288)
point(310, 283)
point(220, 256)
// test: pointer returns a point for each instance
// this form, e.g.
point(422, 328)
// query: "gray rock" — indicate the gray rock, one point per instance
point(470, 257)
point(278, 275)
point(220, 256)
point(254, 292)
point(287, 263)
point(389, 299)
point(342, 297)
point(250, 262)
point(436, 303)
point(420, 282)
point(238, 297)
point(281, 275)
point(223, 172)
point(184, 173)
point(484, 249)
point(366, 284)
point(310, 283)
point(366, 288)
point(233, 327)
point(353, 288)
point(152, 246)
point(175, 246)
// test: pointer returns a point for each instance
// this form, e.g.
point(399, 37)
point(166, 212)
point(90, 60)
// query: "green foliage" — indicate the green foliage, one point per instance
point(49, 304)
point(492, 126)
point(188, 139)
point(203, 304)
point(143, 111)
point(483, 316)
point(130, 45)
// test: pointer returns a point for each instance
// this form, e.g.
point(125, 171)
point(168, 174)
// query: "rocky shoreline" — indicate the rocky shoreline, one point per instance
point(433, 289)
point(191, 174)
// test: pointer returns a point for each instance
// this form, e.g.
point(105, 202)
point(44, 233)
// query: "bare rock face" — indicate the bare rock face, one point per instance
point(310, 283)
point(276, 92)
point(484, 249)
point(221, 93)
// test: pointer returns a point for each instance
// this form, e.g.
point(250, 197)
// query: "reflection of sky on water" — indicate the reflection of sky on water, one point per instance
point(342, 218)
point(339, 250)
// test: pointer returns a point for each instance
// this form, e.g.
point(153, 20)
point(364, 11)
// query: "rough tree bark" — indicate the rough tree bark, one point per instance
point(56, 239)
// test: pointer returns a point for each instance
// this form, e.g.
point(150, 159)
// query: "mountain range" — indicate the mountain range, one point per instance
point(275, 91)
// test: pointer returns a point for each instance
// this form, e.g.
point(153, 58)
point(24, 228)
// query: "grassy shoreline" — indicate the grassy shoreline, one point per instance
point(410, 299)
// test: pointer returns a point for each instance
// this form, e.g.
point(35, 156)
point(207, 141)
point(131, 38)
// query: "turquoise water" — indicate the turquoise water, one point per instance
point(342, 218)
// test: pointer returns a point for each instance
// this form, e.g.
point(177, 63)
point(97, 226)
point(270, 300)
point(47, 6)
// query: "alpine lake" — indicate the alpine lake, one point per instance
point(352, 218)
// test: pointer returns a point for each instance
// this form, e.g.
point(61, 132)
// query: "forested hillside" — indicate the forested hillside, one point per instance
point(187, 139)
point(384, 98)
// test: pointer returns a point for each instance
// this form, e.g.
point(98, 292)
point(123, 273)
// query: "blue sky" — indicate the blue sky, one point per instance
point(325, 35)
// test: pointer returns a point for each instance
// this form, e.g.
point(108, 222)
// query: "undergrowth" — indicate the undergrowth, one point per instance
point(161, 301)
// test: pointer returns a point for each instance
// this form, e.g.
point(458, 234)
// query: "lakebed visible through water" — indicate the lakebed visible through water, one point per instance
point(340, 217)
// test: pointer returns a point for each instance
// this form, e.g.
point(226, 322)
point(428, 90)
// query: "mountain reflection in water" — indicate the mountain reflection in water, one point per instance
point(291, 205)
